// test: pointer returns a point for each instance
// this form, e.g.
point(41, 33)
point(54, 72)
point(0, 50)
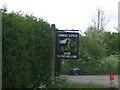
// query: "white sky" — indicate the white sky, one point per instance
point(67, 14)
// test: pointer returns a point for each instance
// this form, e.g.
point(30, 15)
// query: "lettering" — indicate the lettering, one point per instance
point(67, 53)
point(68, 35)
point(62, 35)
point(73, 35)
point(67, 56)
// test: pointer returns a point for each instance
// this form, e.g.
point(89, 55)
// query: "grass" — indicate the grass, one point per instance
point(70, 85)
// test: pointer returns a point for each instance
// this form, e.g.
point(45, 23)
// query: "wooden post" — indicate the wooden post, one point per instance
point(53, 54)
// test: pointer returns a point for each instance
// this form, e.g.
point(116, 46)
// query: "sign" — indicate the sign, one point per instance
point(67, 45)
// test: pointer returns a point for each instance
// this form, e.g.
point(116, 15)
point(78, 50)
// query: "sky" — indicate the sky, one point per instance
point(67, 14)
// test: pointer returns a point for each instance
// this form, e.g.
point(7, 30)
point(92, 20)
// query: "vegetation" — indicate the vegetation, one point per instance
point(27, 51)
point(98, 53)
point(27, 48)
point(98, 50)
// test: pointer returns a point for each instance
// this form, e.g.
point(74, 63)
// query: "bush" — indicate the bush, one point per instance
point(26, 50)
point(109, 65)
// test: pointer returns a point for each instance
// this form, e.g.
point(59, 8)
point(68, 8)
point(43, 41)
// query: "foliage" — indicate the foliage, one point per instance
point(109, 64)
point(27, 48)
point(105, 65)
point(95, 46)
point(100, 20)
point(112, 45)
point(57, 67)
point(96, 34)
point(92, 59)
point(89, 49)
point(106, 39)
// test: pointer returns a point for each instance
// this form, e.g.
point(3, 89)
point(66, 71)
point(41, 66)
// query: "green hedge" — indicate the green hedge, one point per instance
point(26, 50)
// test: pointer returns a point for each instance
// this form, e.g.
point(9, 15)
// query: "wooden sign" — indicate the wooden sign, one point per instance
point(67, 45)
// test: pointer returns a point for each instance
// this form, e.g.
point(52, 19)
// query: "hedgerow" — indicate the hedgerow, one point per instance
point(27, 49)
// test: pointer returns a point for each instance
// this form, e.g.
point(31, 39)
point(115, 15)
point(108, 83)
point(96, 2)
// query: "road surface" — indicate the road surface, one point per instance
point(103, 80)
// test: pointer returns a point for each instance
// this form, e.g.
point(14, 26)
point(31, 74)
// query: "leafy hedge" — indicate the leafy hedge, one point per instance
point(26, 50)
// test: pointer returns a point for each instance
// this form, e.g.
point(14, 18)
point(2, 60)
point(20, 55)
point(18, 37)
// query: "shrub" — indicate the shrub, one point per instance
point(26, 50)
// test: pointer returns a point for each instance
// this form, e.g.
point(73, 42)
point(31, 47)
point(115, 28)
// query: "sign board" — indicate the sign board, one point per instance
point(67, 45)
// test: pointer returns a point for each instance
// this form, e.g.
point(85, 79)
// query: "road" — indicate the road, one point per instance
point(103, 80)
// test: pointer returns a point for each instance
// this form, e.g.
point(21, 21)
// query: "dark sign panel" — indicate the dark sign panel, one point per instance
point(67, 45)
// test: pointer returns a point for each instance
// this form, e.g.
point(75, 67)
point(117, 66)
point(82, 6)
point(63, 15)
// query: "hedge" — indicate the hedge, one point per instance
point(27, 49)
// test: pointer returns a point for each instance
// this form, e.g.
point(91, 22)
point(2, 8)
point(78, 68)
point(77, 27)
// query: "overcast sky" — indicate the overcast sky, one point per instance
point(67, 14)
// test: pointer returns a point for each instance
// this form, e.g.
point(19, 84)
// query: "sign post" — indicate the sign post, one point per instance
point(65, 46)
point(53, 54)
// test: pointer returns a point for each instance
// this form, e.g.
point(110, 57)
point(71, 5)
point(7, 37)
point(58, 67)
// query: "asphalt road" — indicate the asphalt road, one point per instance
point(103, 80)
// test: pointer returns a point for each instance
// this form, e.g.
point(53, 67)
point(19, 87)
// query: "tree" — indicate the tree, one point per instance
point(95, 34)
point(112, 43)
point(100, 21)
point(90, 52)
point(97, 30)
